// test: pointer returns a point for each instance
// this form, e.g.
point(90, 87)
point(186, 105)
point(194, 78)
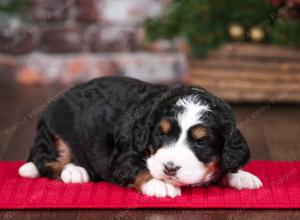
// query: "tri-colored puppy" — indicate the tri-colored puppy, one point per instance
point(155, 138)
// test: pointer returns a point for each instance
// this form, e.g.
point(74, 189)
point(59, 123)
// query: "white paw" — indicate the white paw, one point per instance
point(29, 170)
point(244, 180)
point(74, 174)
point(158, 188)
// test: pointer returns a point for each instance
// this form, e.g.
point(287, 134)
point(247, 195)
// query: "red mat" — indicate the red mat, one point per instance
point(281, 190)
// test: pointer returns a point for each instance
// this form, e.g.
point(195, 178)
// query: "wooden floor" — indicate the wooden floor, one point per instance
point(273, 132)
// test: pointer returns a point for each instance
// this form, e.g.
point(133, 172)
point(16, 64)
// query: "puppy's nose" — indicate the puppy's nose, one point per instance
point(171, 169)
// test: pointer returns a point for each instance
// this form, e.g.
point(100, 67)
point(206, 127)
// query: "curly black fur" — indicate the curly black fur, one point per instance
point(110, 123)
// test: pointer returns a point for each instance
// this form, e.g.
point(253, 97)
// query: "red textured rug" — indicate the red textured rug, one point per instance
point(281, 190)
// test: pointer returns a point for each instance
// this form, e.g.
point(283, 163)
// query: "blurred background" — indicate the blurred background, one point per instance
point(246, 52)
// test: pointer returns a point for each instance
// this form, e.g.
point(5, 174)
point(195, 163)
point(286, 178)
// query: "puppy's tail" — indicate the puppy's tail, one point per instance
point(29, 170)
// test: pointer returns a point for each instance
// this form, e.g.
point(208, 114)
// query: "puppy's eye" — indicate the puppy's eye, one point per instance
point(165, 126)
point(199, 133)
point(201, 141)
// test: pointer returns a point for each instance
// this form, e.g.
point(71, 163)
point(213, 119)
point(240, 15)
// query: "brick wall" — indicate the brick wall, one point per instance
point(67, 41)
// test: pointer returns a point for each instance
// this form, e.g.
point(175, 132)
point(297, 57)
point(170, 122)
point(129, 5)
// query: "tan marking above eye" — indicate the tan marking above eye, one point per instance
point(165, 126)
point(198, 133)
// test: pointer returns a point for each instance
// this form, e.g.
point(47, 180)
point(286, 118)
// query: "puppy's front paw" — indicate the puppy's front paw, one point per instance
point(74, 174)
point(244, 180)
point(158, 188)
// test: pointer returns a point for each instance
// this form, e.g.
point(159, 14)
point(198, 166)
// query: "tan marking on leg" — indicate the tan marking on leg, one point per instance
point(211, 169)
point(141, 179)
point(64, 157)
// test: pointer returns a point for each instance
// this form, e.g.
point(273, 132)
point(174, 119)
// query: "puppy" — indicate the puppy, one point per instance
point(154, 138)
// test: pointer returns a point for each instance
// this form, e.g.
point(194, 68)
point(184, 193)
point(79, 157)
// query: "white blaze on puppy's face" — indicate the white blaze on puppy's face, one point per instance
point(189, 170)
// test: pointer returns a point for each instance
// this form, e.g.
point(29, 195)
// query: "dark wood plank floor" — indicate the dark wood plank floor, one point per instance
point(273, 132)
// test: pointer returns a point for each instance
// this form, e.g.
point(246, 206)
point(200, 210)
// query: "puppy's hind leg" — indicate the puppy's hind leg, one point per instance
point(74, 174)
point(29, 170)
point(63, 167)
point(44, 159)
point(51, 157)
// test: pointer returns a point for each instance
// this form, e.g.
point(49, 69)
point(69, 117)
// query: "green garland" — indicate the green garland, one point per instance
point(286, 32)
point(12, 7)
point(205, 23)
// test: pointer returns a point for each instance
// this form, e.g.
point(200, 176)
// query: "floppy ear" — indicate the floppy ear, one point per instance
point(131, 140)
point(126, 167)
point(134, 129)
point(235, 153)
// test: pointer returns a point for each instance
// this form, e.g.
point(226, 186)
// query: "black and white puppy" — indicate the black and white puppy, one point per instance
point(155, 138)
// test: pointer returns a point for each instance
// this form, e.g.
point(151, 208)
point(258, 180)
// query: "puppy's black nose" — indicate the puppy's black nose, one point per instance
point(171, 169)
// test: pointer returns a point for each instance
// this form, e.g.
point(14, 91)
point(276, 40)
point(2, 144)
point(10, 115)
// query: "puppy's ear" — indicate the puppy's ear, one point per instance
point(130, 139)
point(131, 142)
point(235, 153)
point(126, 167)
